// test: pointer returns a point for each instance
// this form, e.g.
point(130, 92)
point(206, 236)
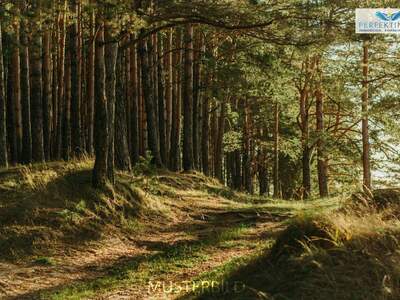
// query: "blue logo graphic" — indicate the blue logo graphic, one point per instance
point(388, 17)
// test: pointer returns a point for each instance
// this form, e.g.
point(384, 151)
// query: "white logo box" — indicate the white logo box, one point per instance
point(378, 20)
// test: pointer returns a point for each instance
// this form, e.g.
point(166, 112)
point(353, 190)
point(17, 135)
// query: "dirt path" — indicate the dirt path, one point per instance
point(212, 229)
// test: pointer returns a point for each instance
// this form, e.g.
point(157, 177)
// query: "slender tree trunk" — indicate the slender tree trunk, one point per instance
point(135, 147)
point(54, 90)
point(196, 102)
point(306, 155)
point(276, 151)
point(36, 96)
point(367, 181)
point(205, 136)
point(321, 164)
point(213, 138)
point(101, 139)
point(149, 104)
point(66, 125)
point(247, 167)
point(263, 173)
point(90, 85)
point(47, 101)
point(16, 90)
point(10, 116)
point(176, 107)
point(26, 156)
point(111, 54)
point(61, 90)
point(168, 91)
point(122, 156)
point(3, 126)
point(188, 160)
point(76, 71)
point(161, 103)
point(219, 143)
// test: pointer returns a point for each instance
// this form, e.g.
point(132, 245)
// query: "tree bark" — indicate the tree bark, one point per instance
point(3, 126)
point(26, 156)
point(367, 181)
point(277, 193)
point(66, 124)
point(177, 104)
point(16, 90)
point(149, 104)
point(161, 103)
point(111, 54)
point(122, 156)
point(319, 110)
point(168, 91)
point(219, 149)
point(196, 102)
point(306, 155)
point(101, 139)
point(135, 147)
point(188, 160)
point(90, 85)
point(10, 115)
point(47, 101)
point(76, 71)
point(205, 136)
point(36, 96)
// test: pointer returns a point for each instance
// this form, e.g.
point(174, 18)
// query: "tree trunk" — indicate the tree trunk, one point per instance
point(219, 149)
point(61, 79)
point(196, 102)
point(367, 181)
point(26, 156)
point(161, 103)
point(168, 91)
point(306, 155)
point(135, 106)
point(76, 71)
point(205, 136)
point(111, 54)
point(247, 166)
point(3, 127)
point(149, 104)
point(176, 105)
point(47, 101)
point(10, 116)
point(66, 124)
point(36, 97)
point(277, 193)
point(188, 161)
point(122, 156)
point(16, 94)
point(101, 139)
point(321, 164)
point(90, 86)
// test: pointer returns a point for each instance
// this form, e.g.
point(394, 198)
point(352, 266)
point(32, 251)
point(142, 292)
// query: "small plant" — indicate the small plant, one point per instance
point(44, 261)
point(145, 165)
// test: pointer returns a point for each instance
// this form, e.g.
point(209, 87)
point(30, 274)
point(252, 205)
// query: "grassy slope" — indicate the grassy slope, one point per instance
point(75, 243)
point(351, 253)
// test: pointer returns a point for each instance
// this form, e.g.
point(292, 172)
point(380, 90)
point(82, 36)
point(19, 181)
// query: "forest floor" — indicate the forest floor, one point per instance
point(163, 236)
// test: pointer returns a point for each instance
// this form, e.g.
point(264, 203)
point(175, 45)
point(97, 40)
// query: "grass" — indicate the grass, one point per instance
point(141, 269)
point(228, 245)
point(337, 254)
point(43, 207)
